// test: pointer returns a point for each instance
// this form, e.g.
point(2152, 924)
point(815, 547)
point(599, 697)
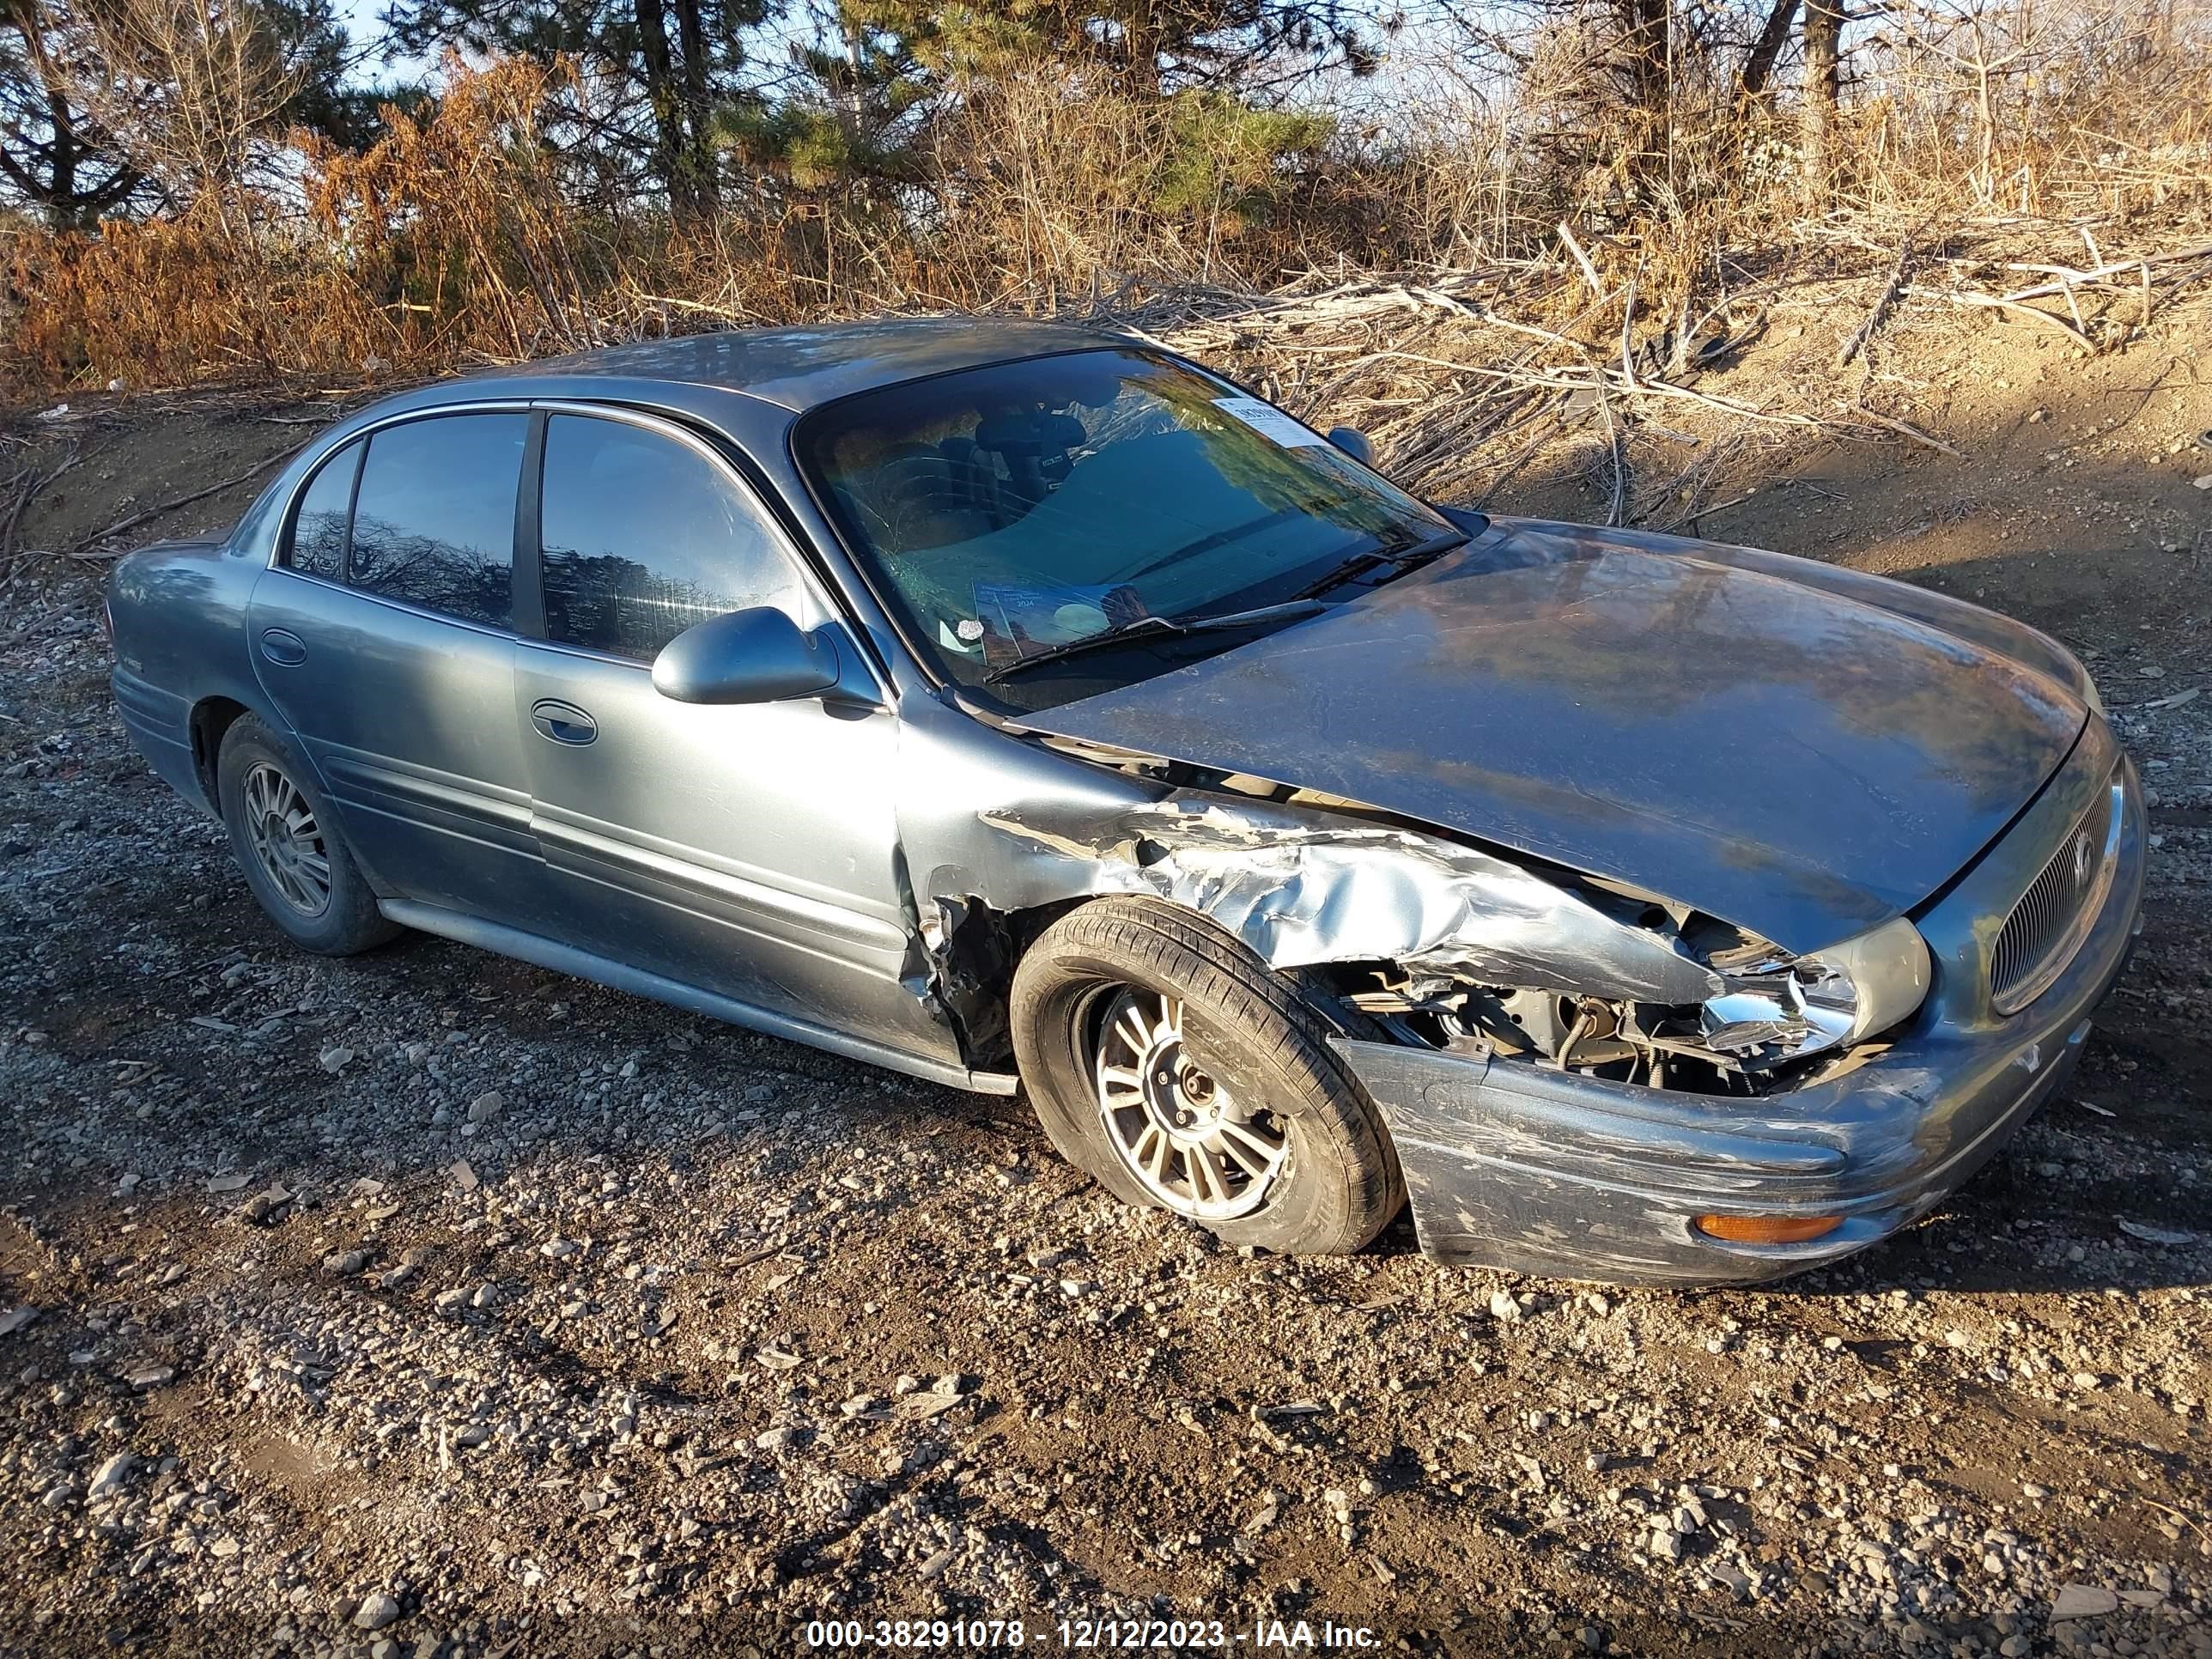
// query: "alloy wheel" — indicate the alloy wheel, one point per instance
point(287, 840)
point(1194, 1148)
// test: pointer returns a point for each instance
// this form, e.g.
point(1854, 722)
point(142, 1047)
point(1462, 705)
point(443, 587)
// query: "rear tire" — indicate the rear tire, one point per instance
point(1172, 1066)
point(290, 848)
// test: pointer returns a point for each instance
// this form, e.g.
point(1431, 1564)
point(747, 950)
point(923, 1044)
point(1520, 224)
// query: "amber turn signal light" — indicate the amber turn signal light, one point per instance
point(1768, 1229)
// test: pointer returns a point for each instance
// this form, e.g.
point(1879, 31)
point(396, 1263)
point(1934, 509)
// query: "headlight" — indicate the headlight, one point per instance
point(1829, 999)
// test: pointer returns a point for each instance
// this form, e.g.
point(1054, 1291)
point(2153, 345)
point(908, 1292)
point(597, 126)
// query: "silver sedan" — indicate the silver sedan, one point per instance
point(1023, 707)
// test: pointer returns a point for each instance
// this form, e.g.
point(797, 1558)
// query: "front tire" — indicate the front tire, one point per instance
point(1168, 1064)
point(290, 848)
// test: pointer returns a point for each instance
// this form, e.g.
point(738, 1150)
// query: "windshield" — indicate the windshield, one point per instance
point(1011, 511)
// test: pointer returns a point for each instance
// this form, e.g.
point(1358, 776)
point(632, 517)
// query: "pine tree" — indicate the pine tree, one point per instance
point(675, 64)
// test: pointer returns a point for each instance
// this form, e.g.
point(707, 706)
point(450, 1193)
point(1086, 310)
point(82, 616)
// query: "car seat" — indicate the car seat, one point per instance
point(1033, 445)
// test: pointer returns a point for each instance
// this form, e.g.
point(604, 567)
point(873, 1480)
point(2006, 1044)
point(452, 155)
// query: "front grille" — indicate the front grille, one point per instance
point(2046, 927)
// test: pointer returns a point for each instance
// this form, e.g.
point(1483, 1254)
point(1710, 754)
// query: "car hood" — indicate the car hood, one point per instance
point(1802, 762)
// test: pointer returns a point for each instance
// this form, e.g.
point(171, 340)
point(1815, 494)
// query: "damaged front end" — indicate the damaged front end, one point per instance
point(1572, 1071)
point(1442, 946)
point(1759, 1015)
point(1581, 1078)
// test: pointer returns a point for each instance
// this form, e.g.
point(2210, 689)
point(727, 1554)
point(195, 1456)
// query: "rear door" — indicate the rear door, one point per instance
point(384, 635)
point(750, 851)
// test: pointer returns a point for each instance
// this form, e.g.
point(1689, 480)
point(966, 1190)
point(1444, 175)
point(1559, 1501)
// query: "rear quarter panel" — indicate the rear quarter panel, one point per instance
point(179, 613)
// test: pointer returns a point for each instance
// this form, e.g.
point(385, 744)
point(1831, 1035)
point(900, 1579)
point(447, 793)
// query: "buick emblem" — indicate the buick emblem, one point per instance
point(2082, 855)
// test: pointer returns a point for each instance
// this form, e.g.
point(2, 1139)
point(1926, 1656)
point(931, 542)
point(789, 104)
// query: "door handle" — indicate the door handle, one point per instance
point(282, 647)
point(564, 723)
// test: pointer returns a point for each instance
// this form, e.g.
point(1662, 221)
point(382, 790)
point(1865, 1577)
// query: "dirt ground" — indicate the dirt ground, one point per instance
point(429, 1303)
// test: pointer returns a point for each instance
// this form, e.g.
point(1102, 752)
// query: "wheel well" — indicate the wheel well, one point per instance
point(211, 718)
point(979, 947)
point(975, 952)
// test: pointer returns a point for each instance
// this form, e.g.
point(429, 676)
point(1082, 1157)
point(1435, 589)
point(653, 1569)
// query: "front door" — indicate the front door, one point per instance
point(748, 851)
point(383, 638)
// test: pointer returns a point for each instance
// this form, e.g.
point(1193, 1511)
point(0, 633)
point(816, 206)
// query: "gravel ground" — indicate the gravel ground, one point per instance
point(427, 1303)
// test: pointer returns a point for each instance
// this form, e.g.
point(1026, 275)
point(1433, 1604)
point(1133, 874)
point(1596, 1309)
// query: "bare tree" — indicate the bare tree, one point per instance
point(1758, 63)
point(187, 89)
point(1824, 34)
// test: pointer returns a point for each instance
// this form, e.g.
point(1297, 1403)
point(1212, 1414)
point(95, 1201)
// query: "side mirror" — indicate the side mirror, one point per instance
point(756, 655)
point(1353, 442)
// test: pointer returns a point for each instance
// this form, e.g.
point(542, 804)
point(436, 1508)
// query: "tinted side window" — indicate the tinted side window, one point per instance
point(434, 521)
point(319, 534)
point(641, 537)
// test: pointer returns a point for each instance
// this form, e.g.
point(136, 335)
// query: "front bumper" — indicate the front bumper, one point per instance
point(1515, 1166)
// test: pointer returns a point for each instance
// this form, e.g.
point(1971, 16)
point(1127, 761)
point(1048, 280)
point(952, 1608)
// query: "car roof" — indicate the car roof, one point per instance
point(799, 369)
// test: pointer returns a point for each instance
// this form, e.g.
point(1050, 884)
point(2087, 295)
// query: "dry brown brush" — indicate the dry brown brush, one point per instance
point(1631, 233)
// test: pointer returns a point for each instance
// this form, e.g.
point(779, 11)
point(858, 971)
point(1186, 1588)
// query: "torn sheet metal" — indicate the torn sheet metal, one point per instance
point(1302, 889)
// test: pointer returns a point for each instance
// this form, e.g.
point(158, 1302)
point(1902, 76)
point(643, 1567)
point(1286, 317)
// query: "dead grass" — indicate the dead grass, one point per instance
point(1572, 246)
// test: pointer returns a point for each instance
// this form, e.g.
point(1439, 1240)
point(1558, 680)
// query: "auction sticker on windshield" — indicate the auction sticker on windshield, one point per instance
point(1270, 421)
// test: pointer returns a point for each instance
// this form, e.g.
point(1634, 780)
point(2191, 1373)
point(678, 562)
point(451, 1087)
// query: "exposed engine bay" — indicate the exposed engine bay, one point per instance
point(1760, 1033)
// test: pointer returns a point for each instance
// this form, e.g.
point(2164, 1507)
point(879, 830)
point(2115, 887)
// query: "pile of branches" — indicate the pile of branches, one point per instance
point(1464, 377)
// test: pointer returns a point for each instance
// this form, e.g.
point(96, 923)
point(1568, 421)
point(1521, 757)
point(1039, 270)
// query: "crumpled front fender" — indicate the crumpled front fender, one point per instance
point(1303, 888)
point(1520, 1166)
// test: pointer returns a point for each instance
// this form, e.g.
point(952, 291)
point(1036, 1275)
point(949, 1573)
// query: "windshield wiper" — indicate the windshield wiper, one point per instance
point(1402, 558)
point(1161, 627)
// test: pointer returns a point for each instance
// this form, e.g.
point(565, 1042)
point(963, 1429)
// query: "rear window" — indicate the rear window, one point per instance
point(319, 533)
point(433, 519)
